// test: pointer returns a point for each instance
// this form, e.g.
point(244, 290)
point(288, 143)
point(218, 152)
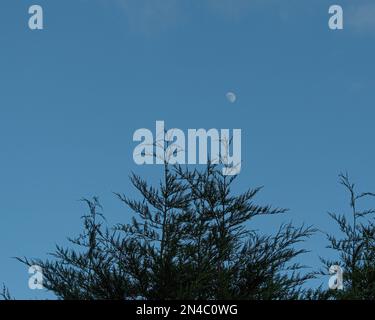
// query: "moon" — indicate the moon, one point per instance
point(231, 97)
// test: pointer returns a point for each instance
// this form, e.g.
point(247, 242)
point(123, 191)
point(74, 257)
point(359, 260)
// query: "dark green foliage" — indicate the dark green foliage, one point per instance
point(5, 294)
point(356, 249)
point(189, 238)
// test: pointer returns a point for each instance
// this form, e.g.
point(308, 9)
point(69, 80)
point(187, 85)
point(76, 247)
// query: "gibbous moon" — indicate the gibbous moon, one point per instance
point(231, 97)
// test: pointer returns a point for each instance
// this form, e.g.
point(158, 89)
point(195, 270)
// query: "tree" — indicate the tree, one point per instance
point(233, 261)
point(189, 238)
point(356, 249)
point(5, 294)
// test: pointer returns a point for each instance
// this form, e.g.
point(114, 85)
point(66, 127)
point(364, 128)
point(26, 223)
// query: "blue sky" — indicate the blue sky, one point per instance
point(72, 95)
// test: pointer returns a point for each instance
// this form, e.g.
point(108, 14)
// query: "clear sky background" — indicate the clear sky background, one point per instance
point(72, 95)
